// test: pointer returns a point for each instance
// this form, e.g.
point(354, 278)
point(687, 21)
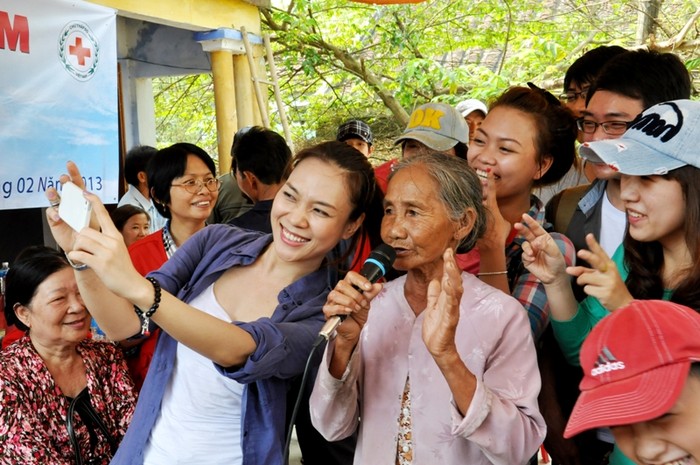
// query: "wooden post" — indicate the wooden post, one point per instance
point(276, 86)
point(256, 84)
point(244, 91)
point(225, 102)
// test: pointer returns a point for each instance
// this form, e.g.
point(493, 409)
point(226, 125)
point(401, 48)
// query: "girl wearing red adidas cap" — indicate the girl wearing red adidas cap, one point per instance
point(642, 378)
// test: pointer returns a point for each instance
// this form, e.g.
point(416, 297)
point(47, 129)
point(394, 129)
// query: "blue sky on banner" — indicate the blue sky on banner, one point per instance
point(58, 98)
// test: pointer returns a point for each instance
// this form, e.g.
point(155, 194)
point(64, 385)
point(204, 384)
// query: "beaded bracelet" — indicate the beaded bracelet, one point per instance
point(491, 273)
point(146, 317)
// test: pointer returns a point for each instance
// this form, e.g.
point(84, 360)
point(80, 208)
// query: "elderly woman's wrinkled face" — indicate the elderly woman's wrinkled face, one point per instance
point(416, 222)
point(56, 314)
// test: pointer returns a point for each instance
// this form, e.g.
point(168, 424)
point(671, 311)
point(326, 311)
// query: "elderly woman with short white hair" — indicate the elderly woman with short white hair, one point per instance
point(440, 367)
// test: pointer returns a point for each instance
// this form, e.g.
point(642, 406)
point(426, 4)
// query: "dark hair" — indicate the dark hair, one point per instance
point(645, 260)
point(586, 68)
point(262, 152)
point(136, 160)
point(121, 215)
point(645, 75)
point(556, 128)
point(365, 195)
point(170, 163)
point(460, 148)
point(31, 268)
point(459, 189)
point(695, 366)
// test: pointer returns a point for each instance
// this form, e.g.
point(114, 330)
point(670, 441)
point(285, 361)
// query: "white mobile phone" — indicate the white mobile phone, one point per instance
point(74, 209)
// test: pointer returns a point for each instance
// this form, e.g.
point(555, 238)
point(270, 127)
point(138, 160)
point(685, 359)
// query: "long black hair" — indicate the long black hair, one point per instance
point(645, 260)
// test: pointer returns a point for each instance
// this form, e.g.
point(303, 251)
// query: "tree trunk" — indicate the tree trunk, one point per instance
point(646, 19)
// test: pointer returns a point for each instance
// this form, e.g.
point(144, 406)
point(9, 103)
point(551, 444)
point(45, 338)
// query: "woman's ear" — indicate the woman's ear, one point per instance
point(22, 313)
point(545, 165)
point(465, 224)
point(352, 228)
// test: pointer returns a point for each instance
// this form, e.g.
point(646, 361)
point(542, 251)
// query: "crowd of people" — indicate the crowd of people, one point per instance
point(545, 292)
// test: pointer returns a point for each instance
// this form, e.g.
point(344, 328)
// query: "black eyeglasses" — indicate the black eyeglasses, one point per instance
point(195, 185)
point(571, 97)
point(613, 128)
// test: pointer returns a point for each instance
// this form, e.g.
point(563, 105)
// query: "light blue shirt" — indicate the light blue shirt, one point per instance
point(283, 342)
point(136, 198)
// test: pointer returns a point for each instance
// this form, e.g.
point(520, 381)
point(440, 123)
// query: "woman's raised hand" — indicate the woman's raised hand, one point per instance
point(347, 300)
point(541, 255)
point(104, 251)
point(497, 228)
point(602, 280)
point(442, 310)
point(63, 234)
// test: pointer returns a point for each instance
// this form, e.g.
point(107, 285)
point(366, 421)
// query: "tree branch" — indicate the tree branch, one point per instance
point(676, 40)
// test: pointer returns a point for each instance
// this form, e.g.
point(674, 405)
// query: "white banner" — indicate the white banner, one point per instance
point(58, 98)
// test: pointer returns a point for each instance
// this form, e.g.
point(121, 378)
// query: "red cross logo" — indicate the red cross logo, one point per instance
point(79, 51)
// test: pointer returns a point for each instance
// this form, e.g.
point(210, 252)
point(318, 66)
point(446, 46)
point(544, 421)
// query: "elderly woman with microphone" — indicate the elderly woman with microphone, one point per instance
point(437, 374)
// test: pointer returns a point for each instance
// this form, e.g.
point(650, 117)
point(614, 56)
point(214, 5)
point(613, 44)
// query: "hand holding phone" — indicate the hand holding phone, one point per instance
point(74, 209)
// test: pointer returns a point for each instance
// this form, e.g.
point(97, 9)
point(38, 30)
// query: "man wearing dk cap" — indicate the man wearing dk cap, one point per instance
point(432, 127)
point(642, 378)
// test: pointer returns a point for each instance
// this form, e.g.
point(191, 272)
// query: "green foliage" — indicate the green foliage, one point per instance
point(185, 111)
point(339, 59)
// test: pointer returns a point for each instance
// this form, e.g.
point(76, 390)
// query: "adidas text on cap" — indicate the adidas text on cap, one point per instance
point(635, 364)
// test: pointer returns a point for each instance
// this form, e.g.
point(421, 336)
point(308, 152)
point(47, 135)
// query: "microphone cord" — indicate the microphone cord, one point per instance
point(320, 339)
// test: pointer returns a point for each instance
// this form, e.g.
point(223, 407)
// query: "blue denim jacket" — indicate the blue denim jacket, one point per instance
point(283, 343)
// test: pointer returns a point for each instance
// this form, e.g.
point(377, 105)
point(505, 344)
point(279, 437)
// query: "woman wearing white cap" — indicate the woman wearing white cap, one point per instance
point(473, 111)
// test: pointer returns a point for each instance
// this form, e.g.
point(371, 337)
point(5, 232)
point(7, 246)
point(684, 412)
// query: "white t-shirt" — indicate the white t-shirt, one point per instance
point(612, 226)
point(200, 416)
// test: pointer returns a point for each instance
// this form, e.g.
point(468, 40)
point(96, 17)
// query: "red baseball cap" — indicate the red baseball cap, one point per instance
point(635, 363)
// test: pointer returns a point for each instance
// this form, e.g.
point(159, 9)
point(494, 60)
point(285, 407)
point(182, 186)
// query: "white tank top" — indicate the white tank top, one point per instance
point(612, 226)
point(200, 416)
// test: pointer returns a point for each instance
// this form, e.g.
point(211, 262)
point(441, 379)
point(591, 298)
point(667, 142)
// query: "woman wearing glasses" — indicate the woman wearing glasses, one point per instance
point(184, 188)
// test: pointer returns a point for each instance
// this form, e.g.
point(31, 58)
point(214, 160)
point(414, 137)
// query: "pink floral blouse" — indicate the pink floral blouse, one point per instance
point(33, 410)
point(503, 425)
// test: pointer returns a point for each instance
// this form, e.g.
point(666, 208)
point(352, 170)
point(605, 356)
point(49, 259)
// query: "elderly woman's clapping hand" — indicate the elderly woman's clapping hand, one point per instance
point(442, 311)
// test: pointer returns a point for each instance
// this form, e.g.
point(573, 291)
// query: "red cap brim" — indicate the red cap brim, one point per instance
point(632, 400)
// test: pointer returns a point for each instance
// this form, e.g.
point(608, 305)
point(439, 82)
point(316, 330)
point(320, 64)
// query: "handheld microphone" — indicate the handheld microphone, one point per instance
point(376, 266)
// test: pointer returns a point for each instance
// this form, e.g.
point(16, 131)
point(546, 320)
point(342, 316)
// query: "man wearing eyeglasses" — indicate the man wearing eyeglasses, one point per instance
point(577, 81)
point(581, 75)
point(627, 84)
